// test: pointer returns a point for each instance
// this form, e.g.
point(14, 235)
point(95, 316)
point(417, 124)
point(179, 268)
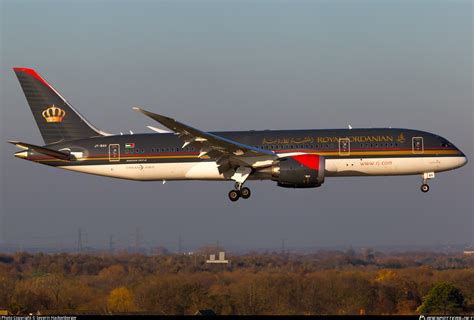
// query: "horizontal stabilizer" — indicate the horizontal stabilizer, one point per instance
point(49, 152)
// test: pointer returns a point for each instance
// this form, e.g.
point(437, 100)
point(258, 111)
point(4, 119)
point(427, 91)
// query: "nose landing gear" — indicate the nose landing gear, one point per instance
point(426, 176)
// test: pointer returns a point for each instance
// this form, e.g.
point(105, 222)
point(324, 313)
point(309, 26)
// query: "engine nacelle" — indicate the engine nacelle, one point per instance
point(301, 171)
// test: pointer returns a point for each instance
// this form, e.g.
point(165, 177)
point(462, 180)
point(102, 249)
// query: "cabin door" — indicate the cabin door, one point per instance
point(114, 152)
point(417, 145)
point(344, 147)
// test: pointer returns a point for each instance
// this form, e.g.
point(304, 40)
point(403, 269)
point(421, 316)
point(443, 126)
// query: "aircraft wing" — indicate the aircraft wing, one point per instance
point(228, 154)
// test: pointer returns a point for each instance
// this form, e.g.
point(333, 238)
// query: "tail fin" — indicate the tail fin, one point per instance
point(56, 118)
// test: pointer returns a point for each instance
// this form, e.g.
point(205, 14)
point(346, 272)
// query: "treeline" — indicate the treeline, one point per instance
point(323, 283)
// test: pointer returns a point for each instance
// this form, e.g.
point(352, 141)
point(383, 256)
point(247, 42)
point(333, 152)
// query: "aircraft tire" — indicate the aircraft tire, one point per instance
point(425, 188)
point(245, 193)
point(234, 195)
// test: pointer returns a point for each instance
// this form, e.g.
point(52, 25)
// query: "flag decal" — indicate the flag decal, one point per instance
point(129, 145)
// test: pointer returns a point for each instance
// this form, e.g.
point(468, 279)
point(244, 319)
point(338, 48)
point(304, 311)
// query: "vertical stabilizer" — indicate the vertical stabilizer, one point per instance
point(56, 118)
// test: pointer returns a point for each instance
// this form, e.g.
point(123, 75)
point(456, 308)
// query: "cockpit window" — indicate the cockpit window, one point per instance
point(444, 143)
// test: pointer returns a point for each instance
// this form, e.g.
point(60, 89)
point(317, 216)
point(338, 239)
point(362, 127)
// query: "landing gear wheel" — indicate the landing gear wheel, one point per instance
point(424, 187)
point(234, 195)
point(245, 193)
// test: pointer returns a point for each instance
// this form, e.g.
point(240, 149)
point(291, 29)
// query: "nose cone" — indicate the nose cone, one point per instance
point(462, 159)
point(22, 154)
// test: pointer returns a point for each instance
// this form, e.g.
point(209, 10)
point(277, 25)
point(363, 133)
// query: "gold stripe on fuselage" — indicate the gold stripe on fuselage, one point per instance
point(322, 153)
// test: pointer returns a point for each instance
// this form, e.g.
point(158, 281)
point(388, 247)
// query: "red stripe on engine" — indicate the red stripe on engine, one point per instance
point(309, 160)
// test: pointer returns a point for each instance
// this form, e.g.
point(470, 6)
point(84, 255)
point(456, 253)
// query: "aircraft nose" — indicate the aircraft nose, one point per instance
point(463, 159)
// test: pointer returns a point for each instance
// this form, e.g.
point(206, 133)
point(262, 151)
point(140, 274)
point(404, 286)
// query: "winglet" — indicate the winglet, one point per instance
point(165, 121)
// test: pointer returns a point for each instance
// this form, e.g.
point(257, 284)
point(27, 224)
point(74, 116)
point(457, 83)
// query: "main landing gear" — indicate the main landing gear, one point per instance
point(240, 175)
point(426, 176)
point(239, 191)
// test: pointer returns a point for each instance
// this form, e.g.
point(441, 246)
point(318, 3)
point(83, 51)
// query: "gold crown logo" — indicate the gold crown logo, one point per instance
point(53, 114)
point(401, 138)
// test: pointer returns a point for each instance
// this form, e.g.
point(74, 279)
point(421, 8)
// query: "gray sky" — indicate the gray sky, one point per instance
point(226, 65)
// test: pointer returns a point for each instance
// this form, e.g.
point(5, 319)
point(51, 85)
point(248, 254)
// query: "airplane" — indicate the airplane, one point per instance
point(291, 158)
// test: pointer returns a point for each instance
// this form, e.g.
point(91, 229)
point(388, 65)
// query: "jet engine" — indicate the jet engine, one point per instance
point(301, 171)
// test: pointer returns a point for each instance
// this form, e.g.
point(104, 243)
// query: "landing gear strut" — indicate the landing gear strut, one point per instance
point(426, 176)
point(241, 174)
point(239, 191)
